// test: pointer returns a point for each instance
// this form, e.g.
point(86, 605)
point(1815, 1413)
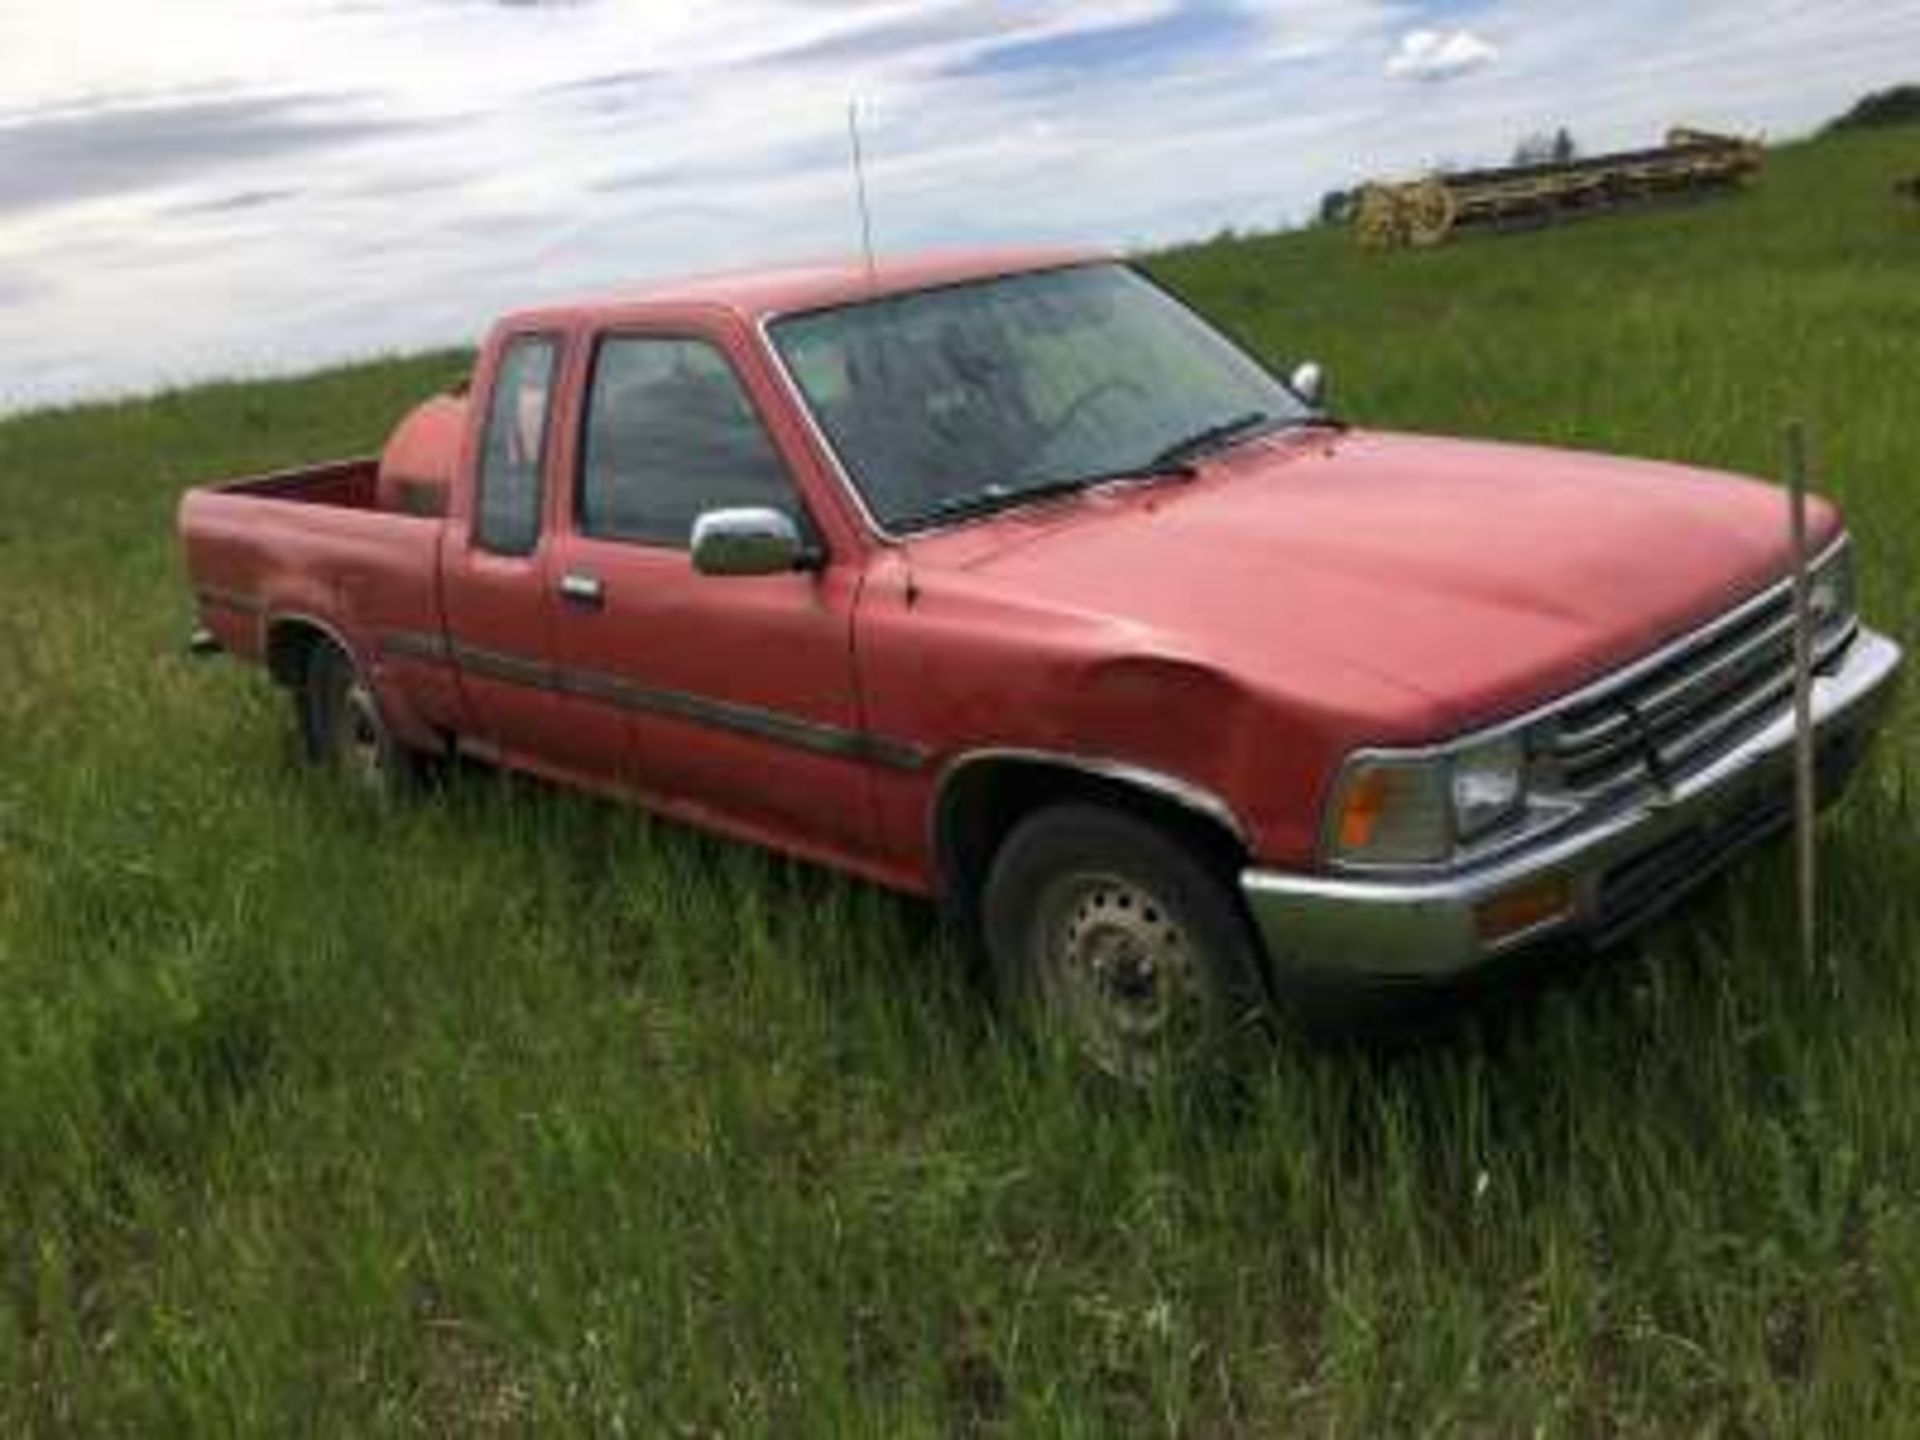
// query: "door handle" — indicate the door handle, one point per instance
point(579, 588)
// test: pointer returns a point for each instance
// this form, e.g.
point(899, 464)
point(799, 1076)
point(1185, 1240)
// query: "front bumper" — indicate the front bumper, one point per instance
point(1612, 873)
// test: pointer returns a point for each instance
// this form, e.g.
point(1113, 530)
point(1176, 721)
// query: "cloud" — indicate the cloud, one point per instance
point(84, 154)
point(1438, 55)
point(489, 154)
point(17, 289)
point(1153, 43)
point(231, 204)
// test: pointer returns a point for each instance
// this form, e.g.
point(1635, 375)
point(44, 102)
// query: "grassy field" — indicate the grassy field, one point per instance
point(512, 1110)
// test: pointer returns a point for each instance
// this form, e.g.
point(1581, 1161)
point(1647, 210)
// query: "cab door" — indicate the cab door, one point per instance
point(738, 692)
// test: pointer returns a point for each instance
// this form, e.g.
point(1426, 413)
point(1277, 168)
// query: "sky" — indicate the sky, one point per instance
point(195, 188)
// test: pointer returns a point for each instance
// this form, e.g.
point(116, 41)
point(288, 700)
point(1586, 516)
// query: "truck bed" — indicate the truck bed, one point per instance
point(343, 484)
point(311, 548)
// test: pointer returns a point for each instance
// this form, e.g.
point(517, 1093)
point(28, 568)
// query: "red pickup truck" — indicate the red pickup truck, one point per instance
point(1007, 579)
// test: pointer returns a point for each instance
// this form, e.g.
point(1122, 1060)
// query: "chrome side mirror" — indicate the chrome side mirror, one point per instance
point(748, 541)
point(1309, 382)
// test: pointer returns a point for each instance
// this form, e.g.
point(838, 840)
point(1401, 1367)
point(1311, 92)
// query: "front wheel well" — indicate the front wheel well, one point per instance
point(982, 801)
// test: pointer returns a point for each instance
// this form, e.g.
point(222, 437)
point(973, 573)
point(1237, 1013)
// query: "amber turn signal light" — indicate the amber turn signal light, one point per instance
point(1364, 803)
point(1523, 908)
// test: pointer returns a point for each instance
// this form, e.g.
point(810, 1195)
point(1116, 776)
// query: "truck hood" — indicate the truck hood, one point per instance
point(1472, 580)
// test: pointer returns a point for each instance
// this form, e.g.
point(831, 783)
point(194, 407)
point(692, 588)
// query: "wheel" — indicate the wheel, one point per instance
point(1380, 218)
point(342, 728)
point(1431, 208)
point(1108, 932)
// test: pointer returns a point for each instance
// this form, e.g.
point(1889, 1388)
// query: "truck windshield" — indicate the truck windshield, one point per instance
point(953, 401)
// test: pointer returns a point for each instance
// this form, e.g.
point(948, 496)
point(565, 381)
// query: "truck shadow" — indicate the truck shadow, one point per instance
point(1391, 1019)
point(905, 953)
point(848, 934)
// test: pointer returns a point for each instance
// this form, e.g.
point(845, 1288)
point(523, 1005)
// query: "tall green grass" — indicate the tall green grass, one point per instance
point(510, 1110)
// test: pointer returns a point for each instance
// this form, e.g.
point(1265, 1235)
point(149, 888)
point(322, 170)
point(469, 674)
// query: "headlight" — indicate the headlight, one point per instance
point(1489, 782)
point(1418, 809)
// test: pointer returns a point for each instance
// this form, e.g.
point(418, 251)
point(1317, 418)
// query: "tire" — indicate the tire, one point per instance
point(343, 730)
point(1107, 933)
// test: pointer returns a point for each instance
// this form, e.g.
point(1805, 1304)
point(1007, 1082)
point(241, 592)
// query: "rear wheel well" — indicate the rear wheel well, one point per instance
point(293, 643)
point(290, 647)
point(982, 802)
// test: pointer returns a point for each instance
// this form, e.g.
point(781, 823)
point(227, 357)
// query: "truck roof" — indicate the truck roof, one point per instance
point(762, 293)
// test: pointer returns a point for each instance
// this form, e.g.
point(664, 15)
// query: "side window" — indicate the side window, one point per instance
point(670, 433)
point(509, 521)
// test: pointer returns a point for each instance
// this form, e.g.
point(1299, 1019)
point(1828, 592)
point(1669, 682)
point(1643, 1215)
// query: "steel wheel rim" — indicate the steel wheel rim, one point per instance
point(1119, 972)
point(1432, 213)
point(1377, 218)
point(360, 744)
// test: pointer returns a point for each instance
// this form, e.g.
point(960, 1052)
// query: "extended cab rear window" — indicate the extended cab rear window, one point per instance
point(508, 522)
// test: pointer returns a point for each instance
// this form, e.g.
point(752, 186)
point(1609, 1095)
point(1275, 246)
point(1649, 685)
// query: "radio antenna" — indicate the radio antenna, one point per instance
point(860, 186)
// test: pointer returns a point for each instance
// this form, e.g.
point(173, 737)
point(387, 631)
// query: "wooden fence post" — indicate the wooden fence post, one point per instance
point(1803, 760)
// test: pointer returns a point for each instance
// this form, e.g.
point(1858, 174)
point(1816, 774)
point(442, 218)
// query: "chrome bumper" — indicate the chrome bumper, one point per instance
point(1618, 869)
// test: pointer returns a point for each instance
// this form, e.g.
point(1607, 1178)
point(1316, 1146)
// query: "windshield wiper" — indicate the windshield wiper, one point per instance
point(1212, 437)
point(990, 498)
point(1174, 463)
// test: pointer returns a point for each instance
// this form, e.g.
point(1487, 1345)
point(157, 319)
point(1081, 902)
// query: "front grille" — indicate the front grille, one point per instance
point(1660, 722)
point(1637, 889)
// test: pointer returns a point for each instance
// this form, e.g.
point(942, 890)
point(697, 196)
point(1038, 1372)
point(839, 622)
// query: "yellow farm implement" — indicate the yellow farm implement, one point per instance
point(1427, 211)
